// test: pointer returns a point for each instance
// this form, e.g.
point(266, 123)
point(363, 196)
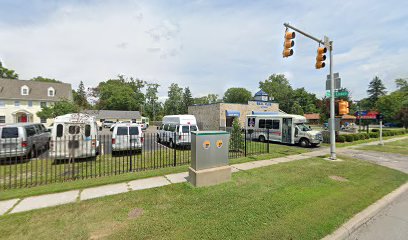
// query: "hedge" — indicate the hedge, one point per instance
point(361, 136)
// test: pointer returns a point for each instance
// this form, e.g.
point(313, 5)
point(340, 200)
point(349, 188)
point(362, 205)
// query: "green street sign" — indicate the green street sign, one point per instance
point(338, 94)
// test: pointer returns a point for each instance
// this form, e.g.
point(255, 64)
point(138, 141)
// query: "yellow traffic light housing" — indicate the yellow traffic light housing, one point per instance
point(343, 107)
point(321, 57)
point(288, 44)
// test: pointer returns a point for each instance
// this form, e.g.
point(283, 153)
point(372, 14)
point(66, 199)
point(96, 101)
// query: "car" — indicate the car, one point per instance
point(107, 124)
point(391, 125)
point(23, 139)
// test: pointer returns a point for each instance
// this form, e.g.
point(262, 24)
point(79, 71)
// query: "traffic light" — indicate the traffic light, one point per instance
point(343, 107)
point(288, 44)
point(321, 57)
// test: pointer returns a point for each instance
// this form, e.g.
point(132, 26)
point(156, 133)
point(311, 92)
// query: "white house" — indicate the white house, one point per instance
point(20, 100)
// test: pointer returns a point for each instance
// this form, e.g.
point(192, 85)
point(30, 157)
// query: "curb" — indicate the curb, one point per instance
point(366, 215)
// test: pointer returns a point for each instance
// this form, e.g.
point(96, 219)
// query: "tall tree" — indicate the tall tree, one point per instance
point(402, 84)
point(209, 99)
point(278, 86)
point(7, 73)
point(187, 99)
point(119, 94)
point(43, 79)
point(80, 98)
point(237, 95)
point(152, 107)
point(174, 103)
point(296, 109)
point(376, 89)
point(59, 108)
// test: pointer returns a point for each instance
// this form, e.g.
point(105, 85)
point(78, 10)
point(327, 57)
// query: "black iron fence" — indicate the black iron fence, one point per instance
point(23, 164)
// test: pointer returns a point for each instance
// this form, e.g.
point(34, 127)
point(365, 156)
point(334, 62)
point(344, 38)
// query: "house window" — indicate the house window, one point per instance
point(51, 92)
point(2, 104)
point(24, 90)
point(43, 120)
point(2, 119)
point(43, 104)
point(17, 103)
point(30, 103)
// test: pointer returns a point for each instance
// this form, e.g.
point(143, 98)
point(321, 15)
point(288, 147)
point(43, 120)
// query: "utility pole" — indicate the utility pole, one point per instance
point(329, 45)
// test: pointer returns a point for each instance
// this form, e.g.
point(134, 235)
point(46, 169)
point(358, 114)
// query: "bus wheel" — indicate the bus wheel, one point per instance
point(304, 142)
point(262, 138)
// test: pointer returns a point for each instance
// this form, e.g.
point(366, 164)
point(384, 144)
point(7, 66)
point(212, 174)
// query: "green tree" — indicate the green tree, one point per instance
point(307, 101)
point(80, 98)
point(278, 86)
point(209, 99)
point(390, 105)
point(187, 99)
point(237, 95)
point(402, 84)
point(153, 108)
point(58, 109)
point(236, 138)
point(376, 89)
point(7, 73)
point(174, 104)
point(119, 94)
point(43, 79)
point(296, 109)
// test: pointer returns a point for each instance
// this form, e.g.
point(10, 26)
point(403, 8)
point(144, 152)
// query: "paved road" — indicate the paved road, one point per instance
point(391, 222)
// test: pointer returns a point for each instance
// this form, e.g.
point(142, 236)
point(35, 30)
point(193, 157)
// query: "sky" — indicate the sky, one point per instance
point(208, 46)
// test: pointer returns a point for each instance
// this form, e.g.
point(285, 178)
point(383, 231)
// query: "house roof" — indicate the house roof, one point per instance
point(261, 93)
point(113, 114)
point(312, 116)
point(11, 89)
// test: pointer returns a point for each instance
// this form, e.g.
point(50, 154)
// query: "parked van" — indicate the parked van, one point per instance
point(74, 136)
point(127, 136)
point(143, 122)
point(284, 128)
point(23, 139)
point(176, 130)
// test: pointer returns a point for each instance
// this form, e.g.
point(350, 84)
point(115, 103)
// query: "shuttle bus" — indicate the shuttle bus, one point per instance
point(284, 128)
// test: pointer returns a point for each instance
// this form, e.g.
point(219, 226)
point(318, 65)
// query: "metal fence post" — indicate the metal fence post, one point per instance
point(174, 146)
point(131, 153)
point(245, 139)
point(267, 142)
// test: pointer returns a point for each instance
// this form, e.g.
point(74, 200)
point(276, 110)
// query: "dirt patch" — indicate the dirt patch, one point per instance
point(135, 213)
point(338, 178)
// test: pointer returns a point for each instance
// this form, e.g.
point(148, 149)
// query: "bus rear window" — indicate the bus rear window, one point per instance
point(185, 129)
point(87, 130)
point(9, 132)
point(122, 131)
point(60, 130)
point(74, 129)
point(133, 131)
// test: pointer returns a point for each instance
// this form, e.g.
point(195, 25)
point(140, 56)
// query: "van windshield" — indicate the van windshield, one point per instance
point(9, 132)
point(122, 131)
point(133, 131)
point(193, 128)
point(303, 127)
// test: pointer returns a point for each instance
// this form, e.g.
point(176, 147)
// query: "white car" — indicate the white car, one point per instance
point(127, 136)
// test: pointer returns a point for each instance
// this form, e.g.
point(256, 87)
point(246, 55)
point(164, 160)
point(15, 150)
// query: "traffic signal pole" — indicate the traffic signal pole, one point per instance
point(329, 45)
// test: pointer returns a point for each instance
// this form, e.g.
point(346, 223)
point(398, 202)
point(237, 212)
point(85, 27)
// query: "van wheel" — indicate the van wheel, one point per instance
point(304, 142)
point(158, 139)
point(32, 153)
point(171, 144)
point(262, 138)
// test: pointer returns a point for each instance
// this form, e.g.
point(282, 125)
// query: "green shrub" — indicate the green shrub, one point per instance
point(374, 135)
point(365, 135)
point(375, 130)
point(341, 138)
point(349, 137)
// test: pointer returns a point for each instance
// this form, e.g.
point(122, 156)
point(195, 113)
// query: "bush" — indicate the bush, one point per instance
point(341, 138)
point(375, 130)
point(374, 135)
point(349, 137)
point(364, 136)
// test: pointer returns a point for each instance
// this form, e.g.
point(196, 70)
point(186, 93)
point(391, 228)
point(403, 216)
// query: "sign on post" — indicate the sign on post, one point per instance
point(337, 81)
point(338, 94)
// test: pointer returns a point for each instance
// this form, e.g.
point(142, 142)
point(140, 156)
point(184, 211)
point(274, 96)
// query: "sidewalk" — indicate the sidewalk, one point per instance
point(55, 199)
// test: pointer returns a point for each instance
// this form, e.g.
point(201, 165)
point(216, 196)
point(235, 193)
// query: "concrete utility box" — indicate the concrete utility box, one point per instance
point(209, 158)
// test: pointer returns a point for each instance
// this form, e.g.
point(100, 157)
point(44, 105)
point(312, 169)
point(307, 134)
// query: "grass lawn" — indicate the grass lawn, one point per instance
point(400, 146)
point(275, 150)
point(295, 200)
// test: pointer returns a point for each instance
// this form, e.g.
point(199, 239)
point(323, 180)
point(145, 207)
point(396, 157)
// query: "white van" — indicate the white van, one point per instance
point(284, 128)
point(74, 136)
point(176, 130)
point(127, 136)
